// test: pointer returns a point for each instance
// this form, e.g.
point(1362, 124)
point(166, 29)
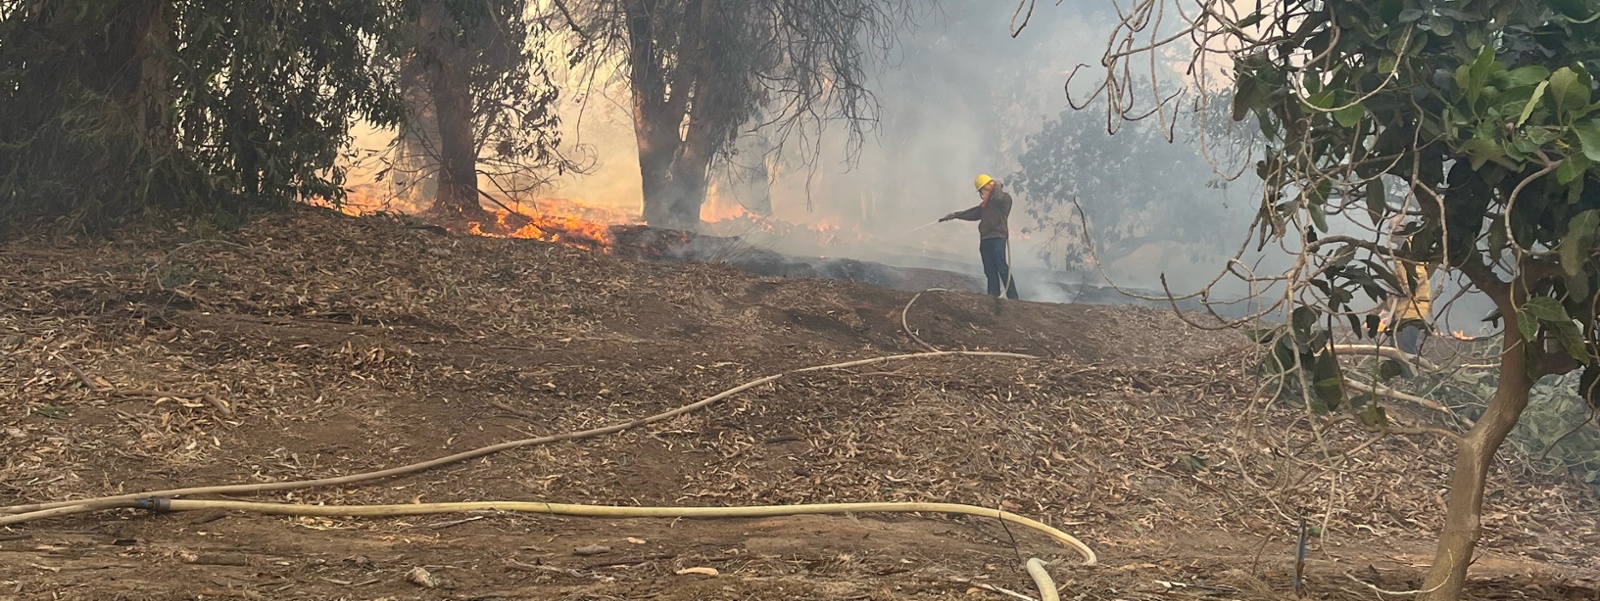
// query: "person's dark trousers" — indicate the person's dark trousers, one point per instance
point(1409, 338)
point(996, 267)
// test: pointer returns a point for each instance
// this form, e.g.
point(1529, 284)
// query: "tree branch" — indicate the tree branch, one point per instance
point(1386, 391)
point(1484, 278)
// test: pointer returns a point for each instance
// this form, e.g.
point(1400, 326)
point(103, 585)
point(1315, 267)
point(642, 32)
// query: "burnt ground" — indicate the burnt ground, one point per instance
point(343, 345)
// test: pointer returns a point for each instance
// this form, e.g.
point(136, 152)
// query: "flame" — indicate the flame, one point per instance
point(361, 200)
point(1461, 335)
point(571, 231)
point(712, 212)
point(574, 222)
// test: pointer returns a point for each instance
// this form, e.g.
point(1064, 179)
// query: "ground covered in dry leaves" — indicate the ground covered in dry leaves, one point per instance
point(310, 345)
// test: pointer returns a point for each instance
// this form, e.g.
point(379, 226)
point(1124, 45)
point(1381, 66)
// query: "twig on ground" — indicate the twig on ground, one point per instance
point(83, 377)
point(449, 523)
point(1410, 398)
point(209, 398)
point(1387, 351)
point(992, 588)
point(1384, 592)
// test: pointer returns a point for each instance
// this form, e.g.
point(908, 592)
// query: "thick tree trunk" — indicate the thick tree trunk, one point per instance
point(450, 86)
point(1464, 510)
point(415, 179)
point(672, 171)
point(656, 155)
point(458, 148)
point(673, 195)
point(672, 163)
point(135, 66)
point(153, 98)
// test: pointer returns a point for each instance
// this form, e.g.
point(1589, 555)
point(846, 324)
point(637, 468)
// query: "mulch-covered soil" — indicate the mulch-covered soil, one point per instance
point(310, 344)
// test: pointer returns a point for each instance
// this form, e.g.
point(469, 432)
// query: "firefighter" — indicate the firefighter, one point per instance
point(1409, 311)
point(991, 214)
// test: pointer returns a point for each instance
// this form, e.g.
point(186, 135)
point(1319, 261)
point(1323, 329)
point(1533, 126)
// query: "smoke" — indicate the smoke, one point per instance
point(961, 98)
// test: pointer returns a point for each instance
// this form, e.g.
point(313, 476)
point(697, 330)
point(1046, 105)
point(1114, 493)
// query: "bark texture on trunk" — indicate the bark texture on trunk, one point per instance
point(448, 75)
point(135, 66)
point(415, 179)
point(1464, 509)
point(458, 148)
point(673, 111)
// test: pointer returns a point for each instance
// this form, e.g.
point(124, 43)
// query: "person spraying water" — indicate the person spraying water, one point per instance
point(992, 215)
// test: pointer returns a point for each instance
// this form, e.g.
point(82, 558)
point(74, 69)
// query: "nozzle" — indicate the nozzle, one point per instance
point(154, 504)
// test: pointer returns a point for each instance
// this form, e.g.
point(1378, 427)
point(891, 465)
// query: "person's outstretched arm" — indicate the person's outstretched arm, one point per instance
point(972, 214)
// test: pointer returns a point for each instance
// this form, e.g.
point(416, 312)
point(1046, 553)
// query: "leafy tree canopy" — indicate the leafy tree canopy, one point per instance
point(1483, 112)
point(211, 106)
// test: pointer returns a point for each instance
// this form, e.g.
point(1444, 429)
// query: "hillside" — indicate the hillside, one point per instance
point(312, 345)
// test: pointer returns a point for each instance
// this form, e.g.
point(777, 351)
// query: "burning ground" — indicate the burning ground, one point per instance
point(310, 345)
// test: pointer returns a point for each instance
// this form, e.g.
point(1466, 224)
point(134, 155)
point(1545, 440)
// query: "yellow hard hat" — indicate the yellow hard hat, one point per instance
point(983, 180)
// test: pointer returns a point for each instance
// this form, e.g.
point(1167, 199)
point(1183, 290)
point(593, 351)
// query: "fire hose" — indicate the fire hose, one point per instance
point(161, 501)
point(479, 452)
point(162, 505)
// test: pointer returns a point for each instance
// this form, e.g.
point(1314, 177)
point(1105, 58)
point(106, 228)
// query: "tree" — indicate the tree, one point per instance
point(220, 107)
point(480, 101)
point(700, 70)
point(1486, 111)
point(1074, 177)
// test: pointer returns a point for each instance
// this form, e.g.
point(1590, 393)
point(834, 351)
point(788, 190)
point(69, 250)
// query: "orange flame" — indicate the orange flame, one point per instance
point(360, 200)
point(712, 212)
point(566, 230)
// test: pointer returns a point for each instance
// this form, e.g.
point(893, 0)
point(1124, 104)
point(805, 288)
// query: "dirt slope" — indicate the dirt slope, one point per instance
point(343, 345)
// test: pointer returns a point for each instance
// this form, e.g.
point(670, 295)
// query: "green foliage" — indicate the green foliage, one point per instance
point(1486, 112)
point(1558, 433)
point(1299, 358)
point(503, 60)
point(114, 107)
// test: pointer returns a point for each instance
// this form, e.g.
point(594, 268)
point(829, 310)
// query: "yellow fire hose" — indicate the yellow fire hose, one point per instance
point(1041, 579)
point(41, 510)
point(157, 501)
point(569, 509)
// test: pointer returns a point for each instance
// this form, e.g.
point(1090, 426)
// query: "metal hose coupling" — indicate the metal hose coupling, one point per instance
point(155, 504)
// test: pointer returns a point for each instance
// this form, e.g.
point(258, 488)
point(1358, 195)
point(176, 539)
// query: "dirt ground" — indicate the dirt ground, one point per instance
point(310, 345)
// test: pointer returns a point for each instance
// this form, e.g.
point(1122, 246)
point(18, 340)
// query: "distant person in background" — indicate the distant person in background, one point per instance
point(992, 214)
point(1409, 311)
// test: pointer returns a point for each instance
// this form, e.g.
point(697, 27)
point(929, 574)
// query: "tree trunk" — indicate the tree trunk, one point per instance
point(673, 172)
point(458, 148)
point(656, 154)
point(691, 179)
point(450, 87)
point(152, 101)
point(766, 177)
point(672, 159)
point(415, 177)
point(1464, 510)
point(135, 66)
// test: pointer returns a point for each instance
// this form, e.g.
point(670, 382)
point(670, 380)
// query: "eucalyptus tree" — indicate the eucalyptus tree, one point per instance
point(221, 107)
point(702, 72)
point(480, 103)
